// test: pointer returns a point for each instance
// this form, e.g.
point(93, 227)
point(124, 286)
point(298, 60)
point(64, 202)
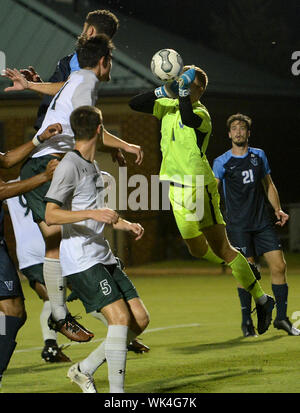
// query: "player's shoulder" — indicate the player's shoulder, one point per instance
point(222, 159)
point(70, 159)
point(257, 151)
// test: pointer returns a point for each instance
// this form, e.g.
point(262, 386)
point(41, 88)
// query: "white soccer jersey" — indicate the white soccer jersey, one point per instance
point(79, 90)
point(76, 185)
point(30, 246)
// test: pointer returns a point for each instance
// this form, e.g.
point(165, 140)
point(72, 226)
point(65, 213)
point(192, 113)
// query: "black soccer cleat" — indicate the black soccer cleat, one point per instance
point(287, 326)
point(248, 329)
point(264, 314)
point(138, 347)
point(70, 328)
point(53, 354)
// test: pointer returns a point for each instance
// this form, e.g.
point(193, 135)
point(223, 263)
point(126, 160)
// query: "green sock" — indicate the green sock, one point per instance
point(243, 274)
point(212, 257)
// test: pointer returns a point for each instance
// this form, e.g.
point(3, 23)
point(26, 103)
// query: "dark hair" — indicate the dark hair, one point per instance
point(104, 21)
point(90, 51)
point(84, 122)
point(240, 117)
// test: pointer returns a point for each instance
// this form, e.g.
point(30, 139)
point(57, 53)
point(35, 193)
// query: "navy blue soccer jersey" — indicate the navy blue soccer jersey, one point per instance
point(241, 176)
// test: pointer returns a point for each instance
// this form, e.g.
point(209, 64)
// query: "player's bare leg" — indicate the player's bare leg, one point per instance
point(139, 321)
point(60, 319)
point(277, 265)
point(217, 238)
point(199, 248)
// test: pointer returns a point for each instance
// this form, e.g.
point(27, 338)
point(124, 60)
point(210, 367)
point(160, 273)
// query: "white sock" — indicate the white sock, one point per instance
point(116, 353)
point(46, 332)
point(94, 360)
point(56, 288)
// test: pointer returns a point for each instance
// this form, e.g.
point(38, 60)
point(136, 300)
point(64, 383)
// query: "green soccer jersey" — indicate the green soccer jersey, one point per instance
point(183, 148)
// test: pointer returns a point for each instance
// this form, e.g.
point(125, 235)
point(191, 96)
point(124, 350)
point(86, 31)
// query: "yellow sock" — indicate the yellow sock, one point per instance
point(244, 275)
point(212, 257)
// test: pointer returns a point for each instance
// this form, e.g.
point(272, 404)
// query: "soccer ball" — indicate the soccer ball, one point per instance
point(166, 64)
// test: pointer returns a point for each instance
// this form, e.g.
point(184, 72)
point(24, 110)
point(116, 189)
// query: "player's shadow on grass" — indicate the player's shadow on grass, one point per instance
point(204, 382)
point(36, 368)
point(239, 341)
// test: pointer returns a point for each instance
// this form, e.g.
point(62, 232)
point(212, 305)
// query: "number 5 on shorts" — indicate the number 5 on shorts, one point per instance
point(105, 287)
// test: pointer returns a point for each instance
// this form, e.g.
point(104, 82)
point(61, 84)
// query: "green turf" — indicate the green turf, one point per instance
point(195, 340)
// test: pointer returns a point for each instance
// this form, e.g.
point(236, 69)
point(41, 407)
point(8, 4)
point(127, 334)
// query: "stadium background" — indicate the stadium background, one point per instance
point(248, 73)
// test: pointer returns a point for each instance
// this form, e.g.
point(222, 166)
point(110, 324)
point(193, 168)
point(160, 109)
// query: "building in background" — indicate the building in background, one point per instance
point(40, 33)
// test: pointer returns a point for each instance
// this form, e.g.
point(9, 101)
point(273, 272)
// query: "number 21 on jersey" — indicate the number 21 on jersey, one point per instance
point(248, 176)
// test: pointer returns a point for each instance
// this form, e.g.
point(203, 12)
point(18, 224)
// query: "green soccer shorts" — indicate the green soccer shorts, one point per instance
point(183, 201)
point(101, 285)
point(35, 198)
point(34, 274)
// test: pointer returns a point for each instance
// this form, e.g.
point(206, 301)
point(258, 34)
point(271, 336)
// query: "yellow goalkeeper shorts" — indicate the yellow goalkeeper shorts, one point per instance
point(195, 208)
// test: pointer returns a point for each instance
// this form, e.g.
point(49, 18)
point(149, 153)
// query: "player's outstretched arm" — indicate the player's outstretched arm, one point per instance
point(9, 190)
point(55, 215)
point(30, 74)
point(21, 83)
point(114, 142)
point(273, 197)
point(13, 157)
point(136, 229)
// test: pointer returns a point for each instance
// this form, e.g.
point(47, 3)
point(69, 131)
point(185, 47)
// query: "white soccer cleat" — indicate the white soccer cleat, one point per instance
point(84, 381)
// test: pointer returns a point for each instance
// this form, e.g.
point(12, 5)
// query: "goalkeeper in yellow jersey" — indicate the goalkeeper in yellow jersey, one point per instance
point(185, 133)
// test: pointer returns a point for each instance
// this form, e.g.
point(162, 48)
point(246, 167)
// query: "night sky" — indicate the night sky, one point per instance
point(277, 24)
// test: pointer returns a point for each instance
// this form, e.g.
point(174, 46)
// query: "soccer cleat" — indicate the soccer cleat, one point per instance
point(287, 326)
point(53, 354)
point(264, 314)
point(84, 381)
point(138, 347)
point(70, 328)
point(248, 329)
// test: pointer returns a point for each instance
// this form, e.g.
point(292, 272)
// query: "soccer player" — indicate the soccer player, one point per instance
point(30, 249)
point(245, 174)
point(96, 22)
point(94, 56)
point(185, 132)
point(12, 307)
point(87, 261)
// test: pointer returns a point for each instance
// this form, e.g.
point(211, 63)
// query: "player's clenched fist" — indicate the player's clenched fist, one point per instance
point(106, 215)
point(50, 131)
point(51, 168)
point(137, 230)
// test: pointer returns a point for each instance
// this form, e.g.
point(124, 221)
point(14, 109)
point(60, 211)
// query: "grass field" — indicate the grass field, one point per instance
point(194, 335)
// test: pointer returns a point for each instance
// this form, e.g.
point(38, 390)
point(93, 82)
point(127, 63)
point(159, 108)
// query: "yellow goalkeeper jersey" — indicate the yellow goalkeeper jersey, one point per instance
point(183, 148)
